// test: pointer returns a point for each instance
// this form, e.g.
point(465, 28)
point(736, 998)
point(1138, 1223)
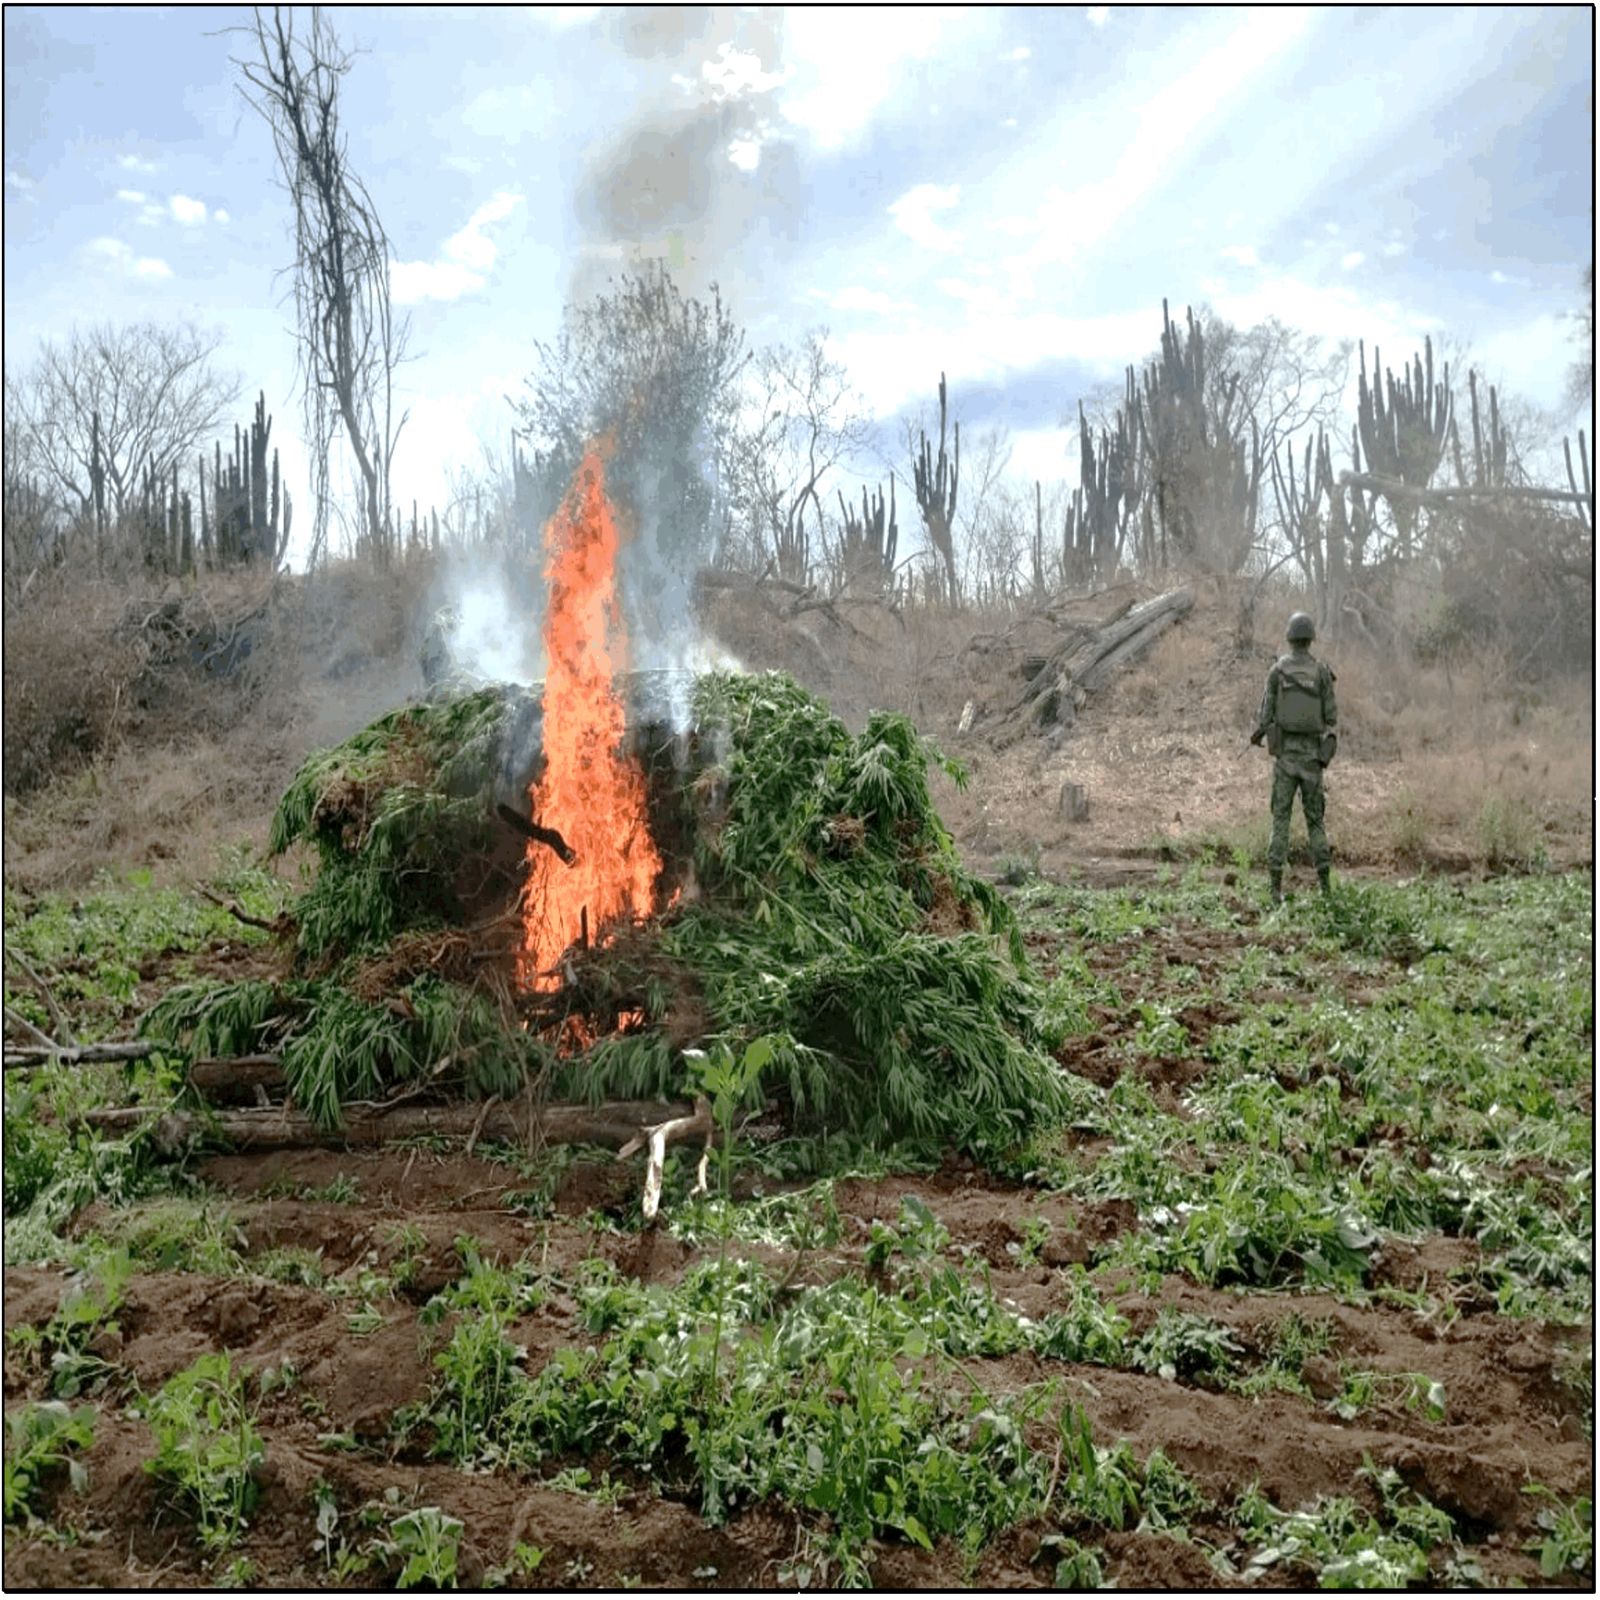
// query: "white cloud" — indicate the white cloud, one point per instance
point(132, 197)
point(1098, 15)
point(1352, 260)
point(115, 253)
point(1021, 53)
point(137, 164)
point(745, 153)
point(151, 213)
point(561, 18)
point(17, 181)
point(1243, 254)
point(1530, 359)
point(1394, 248)
point(892, 366)
point(220, 216)
point(846, 61)
point(1164, 127)
point(734, 74)
point(913, 215)
point(466, 258)
point(856, 298)
point(1009, 122)
point(1505, 278)
point(188, 211)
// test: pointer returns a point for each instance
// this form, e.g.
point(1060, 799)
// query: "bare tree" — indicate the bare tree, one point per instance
point(658, 374)
point(97, 416)
point(802, 419)
point(1580, 375)
point(350, 341)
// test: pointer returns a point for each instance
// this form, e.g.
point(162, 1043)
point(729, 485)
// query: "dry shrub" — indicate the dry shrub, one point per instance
point(68, 680)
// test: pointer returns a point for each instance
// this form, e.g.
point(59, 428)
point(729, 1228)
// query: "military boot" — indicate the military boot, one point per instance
point(1276, 881)
point(1325, 880)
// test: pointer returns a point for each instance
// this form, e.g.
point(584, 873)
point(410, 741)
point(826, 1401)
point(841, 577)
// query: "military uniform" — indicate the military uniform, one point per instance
point(1299, 720)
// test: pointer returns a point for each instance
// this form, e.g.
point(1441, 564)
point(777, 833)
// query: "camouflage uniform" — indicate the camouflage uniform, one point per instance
point(1300, 758)
point(436, 659)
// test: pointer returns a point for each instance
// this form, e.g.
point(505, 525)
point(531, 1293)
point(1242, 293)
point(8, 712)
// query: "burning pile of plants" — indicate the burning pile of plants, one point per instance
point(553, 892)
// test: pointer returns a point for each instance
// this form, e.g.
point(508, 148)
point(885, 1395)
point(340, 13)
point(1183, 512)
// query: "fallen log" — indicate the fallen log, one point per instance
point(82, 1054)
point(614, 1122)
point(236, 1080)
point(1081, 666)
point(1392, 487)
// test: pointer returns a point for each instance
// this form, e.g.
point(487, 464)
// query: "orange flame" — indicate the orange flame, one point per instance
point(590, 792)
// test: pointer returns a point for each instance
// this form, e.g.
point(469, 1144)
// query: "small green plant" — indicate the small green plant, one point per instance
point(39, 1438)
point(207, 1448)
point(1036, 1232)
point(1568, 1542)
point(1179, 1344)
point(88, 1310)
point(1077, 1568)
point(524, 1561)
point(428, 1543)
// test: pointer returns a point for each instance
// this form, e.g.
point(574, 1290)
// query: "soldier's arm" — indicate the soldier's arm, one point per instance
point(1330, 706)
point(1269, 708)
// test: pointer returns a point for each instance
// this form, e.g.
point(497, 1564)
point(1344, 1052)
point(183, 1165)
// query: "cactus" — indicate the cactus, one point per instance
point(1102, 507)
point(1489, 451)
point(935, 483)
point(1404, 429)
point(1203, 472)
point(868, 544)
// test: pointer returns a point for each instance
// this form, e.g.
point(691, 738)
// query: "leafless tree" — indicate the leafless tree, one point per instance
point(658, 375)
point(98, 414)
point(350, 340)
point(801, 419)
point(1580, 375)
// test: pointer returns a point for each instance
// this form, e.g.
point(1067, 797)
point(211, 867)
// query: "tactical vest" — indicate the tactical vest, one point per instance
point(1299, 694)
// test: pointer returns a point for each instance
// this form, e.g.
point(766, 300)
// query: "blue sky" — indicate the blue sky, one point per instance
point(1003, 194)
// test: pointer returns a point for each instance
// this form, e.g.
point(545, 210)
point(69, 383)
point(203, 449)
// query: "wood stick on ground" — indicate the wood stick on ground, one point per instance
point(42, 989)
point(278, 1128)
point(659, 1136)
point(16, 1020)
point(235, 910)
point(81, 1054)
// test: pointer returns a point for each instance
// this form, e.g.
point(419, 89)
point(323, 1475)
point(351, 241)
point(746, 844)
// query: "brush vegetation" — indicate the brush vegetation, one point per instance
point(831, 910)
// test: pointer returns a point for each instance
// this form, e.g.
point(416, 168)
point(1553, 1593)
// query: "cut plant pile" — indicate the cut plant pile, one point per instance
point(812, 896)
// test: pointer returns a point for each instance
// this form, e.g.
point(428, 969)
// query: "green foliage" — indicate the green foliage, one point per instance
point(1568, 1541)
point(207, 1449)
point(337, 1048)
point(427, 1542)
point(1345, 1546)
point(1179, 1344)
point(41, 1436)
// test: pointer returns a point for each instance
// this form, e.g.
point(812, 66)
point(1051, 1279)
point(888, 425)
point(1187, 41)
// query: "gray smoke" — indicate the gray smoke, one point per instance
point(697, 177)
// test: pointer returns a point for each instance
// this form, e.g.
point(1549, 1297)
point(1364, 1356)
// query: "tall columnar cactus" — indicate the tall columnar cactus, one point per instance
point(247, 521)
point(869, 542)
point(1201, 457)
point(1404, 428)
point(1101, 511)
point(1489, 452)
point(935, 481)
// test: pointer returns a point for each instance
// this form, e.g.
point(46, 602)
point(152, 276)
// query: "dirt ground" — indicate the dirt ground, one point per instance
point(1509, 1418)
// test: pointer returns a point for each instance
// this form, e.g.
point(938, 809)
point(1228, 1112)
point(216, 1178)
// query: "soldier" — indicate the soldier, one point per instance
point(436, 658)
point(1299, 720)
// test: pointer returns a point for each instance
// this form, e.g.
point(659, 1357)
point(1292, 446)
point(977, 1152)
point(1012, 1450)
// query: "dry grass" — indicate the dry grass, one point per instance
point(1458, 768)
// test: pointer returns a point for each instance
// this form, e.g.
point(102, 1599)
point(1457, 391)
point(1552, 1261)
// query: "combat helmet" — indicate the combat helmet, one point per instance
point(1301, 627)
